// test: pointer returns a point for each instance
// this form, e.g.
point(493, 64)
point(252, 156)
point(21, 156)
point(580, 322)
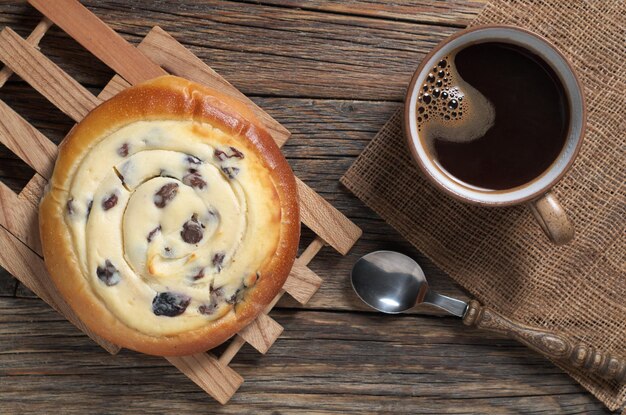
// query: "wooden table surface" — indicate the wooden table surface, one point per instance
point(332, 73)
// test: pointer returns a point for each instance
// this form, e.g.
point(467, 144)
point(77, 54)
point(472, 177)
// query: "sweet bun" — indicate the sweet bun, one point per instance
point(171, 219)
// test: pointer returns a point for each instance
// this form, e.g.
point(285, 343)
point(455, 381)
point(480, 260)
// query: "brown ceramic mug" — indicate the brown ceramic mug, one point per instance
point(536, 193)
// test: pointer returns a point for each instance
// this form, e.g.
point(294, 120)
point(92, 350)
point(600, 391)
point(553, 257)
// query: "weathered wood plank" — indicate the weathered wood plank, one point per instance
point(167, 52)
point(324, 219)
point(18, 213)
point(268, 50)
point(216, 379)
point(261, 333)
point(46, 77)
point(8, 284)
point(324, 362)
point(302, 283)
point(85, 27)
point(33, 38)
point(439, 12)
point(26, 141)
point(23, 263)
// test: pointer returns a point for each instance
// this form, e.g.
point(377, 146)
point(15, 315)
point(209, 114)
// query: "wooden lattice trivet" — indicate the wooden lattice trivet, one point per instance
point(21, 253)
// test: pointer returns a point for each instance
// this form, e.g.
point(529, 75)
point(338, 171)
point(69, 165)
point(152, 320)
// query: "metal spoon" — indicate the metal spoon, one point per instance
point(393, 283)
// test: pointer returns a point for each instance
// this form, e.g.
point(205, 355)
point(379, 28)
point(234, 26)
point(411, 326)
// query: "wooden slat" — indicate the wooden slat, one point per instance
point(116, 85)
point(310, 251)
point(301, 287)
point(271, 51)
point(29, 268)
point(180, 61)
point(333, 363)
point(262, 332)
point(18, 214)
point(216, 379)
point(45, 76)
point(33, 39)
point(231, 351)
point(98, 38)
point(326, 221)
point(26, 141)
point(302, 283)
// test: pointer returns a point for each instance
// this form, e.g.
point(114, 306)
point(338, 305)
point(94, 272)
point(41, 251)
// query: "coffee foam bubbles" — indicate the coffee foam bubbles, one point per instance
point(449, 108)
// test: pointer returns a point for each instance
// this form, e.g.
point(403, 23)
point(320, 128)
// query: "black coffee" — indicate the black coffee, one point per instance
point(494, 115)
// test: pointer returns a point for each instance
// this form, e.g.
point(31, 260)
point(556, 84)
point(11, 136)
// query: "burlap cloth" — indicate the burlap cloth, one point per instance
point(500, 255)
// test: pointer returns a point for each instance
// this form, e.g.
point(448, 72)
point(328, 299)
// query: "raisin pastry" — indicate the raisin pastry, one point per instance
point(171, 219)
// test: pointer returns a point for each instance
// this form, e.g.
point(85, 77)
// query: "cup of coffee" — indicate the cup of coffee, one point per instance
point(495, 116)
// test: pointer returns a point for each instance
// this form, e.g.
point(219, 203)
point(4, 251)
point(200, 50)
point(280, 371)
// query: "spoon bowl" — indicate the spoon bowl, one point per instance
point(393, 283)
point(389, 281)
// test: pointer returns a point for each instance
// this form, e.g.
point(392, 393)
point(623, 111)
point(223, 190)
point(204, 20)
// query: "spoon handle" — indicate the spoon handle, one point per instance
point(553, 345)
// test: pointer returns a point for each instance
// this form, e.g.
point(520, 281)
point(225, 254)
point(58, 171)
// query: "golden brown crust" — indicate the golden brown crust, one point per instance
point(172, 98)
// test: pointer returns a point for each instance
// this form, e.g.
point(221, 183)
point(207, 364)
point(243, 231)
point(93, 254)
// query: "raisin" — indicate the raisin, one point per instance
point(222, 155)
point(207, 309)
point(218, 260)
point(194, 179)
point(193, 159)
point(152, 233)
point(170, 304)
point(231, 172)
point(216, 294)
point(108, 274)
point(109, 202)
point(199, 275)
point(123, 150)
point(192, 231)
point(70, 206)
point(165, 194)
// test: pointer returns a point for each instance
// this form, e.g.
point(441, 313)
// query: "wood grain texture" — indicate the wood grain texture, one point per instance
point(324, 219)
point(325, 362)
point(302, 283)
point(116, 85)
point(33, 38)
point(19, 213)
point(85, 27)
point(268, 51)
point(333, 79)
point(262, 333)
point(46, 77)
point(553, 345)
point(216, 379)
point(20, 261)
point(440, 12)
point(176, 59)
point(26, 141)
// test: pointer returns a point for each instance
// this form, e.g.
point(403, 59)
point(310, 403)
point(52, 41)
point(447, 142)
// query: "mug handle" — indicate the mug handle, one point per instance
point(552, 219)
